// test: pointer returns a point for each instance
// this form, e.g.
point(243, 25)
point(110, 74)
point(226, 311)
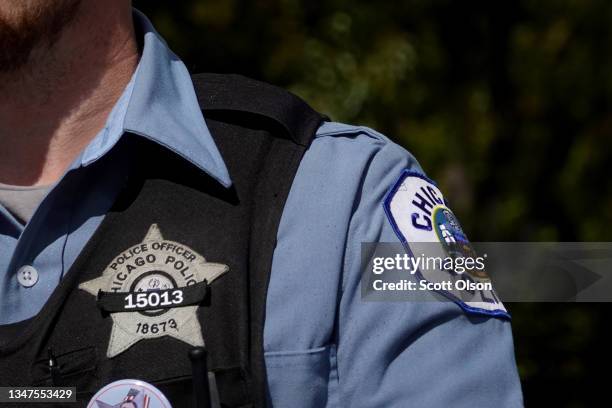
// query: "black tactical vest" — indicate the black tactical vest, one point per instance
point(262, 133)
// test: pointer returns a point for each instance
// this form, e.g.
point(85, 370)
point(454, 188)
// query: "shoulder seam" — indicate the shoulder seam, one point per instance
point(349, 130)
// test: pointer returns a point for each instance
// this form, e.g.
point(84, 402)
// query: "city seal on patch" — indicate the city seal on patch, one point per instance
point(153, 289)
point(420, 217)
point(129, 394)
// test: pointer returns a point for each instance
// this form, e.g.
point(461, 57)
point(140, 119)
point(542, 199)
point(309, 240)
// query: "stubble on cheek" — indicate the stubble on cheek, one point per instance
point(29, 24)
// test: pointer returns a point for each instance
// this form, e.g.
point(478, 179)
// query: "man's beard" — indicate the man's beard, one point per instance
point(29, 24)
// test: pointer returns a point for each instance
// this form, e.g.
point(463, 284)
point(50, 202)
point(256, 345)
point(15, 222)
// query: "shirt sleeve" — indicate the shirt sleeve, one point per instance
point(421, 354)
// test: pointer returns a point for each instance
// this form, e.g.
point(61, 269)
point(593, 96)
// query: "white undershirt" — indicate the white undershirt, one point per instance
point(22, 201)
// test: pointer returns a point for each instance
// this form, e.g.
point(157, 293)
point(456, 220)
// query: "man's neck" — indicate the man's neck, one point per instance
point(55, 105)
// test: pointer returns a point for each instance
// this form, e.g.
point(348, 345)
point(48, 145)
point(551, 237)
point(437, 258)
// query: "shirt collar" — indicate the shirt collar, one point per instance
point(160, 104)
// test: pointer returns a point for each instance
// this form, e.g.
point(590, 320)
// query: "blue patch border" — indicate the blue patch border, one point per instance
point(387, 207)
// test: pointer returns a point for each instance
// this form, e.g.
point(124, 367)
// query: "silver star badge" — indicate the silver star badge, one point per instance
point(155, 264)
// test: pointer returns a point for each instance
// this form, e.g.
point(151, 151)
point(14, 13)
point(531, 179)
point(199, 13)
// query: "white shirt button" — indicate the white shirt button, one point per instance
point(27, 276)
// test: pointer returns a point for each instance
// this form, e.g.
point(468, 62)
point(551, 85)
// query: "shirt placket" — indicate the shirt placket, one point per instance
point(36, 263)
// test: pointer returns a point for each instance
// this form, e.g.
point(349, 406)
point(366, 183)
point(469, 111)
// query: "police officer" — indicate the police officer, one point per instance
point(145, 212)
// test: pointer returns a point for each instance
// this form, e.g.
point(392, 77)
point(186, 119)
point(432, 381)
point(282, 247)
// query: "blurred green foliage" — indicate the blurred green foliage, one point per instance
point(506, 103)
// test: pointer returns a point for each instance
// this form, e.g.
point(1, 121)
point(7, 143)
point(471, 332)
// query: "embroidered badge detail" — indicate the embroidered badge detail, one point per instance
point(152, 290)
point(422, 220)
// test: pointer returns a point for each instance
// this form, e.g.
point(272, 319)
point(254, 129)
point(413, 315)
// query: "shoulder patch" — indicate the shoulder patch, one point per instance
point(424, 223)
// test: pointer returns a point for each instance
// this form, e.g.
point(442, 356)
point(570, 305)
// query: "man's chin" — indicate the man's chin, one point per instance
point(28, 24)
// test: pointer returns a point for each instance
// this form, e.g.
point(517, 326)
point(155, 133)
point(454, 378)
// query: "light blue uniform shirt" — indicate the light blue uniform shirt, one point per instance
point(323, 345)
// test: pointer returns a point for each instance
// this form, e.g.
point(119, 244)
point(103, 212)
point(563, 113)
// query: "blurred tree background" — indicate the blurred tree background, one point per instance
point(507, 104)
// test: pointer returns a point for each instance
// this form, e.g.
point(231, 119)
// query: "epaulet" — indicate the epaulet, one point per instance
point(230, 93)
